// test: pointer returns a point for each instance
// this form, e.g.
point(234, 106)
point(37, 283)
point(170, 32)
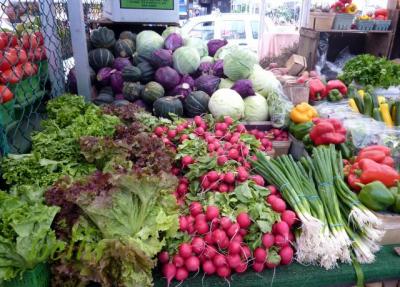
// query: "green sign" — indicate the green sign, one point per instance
point(148, 4)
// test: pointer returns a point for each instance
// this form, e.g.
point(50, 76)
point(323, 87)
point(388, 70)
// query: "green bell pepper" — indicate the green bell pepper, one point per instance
point(396, 193)
point(345, 150)
point(376, 196)
point(335, 95)
point(300, 130)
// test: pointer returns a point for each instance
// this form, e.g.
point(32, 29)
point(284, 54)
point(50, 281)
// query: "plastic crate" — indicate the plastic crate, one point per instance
point(343, 21)
point(281, 147)
point(297, 149)
point(7, 113)
point(37, 277)
point(43, 72)
point(25, 91)
point(382, 25)
point(296, 93)
point(365, 25)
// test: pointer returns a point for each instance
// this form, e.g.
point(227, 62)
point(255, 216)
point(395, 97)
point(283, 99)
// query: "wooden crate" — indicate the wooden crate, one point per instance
point(308, 45)
point(391, 226)
point(320, 20)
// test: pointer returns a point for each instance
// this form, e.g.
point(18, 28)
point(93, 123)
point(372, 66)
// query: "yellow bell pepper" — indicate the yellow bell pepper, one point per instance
point(353, 105)
point(351, 9)
point(381, 100)
point(361, 93)
point(384, 109)
point(303, 113)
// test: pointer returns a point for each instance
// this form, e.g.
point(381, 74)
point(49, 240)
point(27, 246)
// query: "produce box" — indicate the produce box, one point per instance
point(296, 65)
point(262, 125)
point(37, 277)
point(25, 91)
point(343, 21)
point(365, 25)
point(382, 25)
point(321, 20)
point(281, 147)
point(297, 93)
point(391, 225)
point(297, 149)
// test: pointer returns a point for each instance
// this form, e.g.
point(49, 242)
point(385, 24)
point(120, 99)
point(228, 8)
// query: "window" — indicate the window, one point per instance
point(233, 30)
point(255, 26)
point(203, 30)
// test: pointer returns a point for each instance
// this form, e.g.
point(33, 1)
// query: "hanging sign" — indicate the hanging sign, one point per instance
point(148, 4)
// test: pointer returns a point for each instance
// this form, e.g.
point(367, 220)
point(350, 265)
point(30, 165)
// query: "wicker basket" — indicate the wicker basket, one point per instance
point(365, 25)
point(296, 93)
point(343, 21)
point(281, 147)
point(37, 277)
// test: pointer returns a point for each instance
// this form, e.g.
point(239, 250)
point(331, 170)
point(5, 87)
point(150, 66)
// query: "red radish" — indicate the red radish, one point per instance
point(223, 127)
point(278, 205)
point(166, 141)
point(212, 176)
point(281, 241)
point(271, 198)
point(171, 134)
point(289, 217)
point(260, 254)
point(237, 238)
point(201, 227)
point(159, 131)
point(282, 228)
point(219, 260)
point(243, 219)
point(205, 183)
point(245, 252)
point(184, 180)
point(231, 188)
point(240, 128)
point(185, 250)
point(181, 274)
point(211, 147)
point(180, 128)
point(183, 138)
point(187, 160)
point(200, 218)
point(190, 219)
point(234, 248)
point(169, 271)
point(258, 179)
point(243, 232)
point(272, 189)
point(265, 142)
point(254, 132)
point(270, 265)
point(182, 189)
point(225, 222)
point(268, 240)
point(260, 135)
point(212, 212)
point(228, 120)
point(258, 267)
point(229, 177)
point(224, 244)
point(233, 154)
point(224, 271)
point(208, 267)
point(291, 237)
point(195, 208)
point(234, 139)
point(233, 260)
point(192, 263)
point(221, 160)
point(286, 254)
point(242, 173)
point(233, 230)
point(219, 134)
point(191, 229)
point(178, 261)
point(183, 223)
point(218, 236)
point(175, 171)
point(199, 131)
point(198, 120)
point(209, 239)
point(227, 145)
point(210, 139)
point(163, 257)
point(214, 186)
point(223, 188)
point(241, 268)
point(210, 252)
point(214, 223)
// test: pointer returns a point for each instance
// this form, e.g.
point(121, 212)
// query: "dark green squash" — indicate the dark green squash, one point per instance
point(132, 91)
point(100, 58)
point(128, 35)
point(124, 48)
point(166, 105)
point(152, 92)
point(136, 59)
point(102, 38)
point(106, 96)
point(131, 73)
point(196, 104)
point(147, 71)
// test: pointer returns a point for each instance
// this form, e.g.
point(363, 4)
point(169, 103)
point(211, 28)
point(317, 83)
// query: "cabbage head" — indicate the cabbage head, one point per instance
point(226, 84)
point(255, 108)
point(264, 82)
point(186, 60)
point(239, 64)
point(207, 59)
point(147, 42)
point(226, 102)
point(170, 30)
point(224, 51)
point(199, 45)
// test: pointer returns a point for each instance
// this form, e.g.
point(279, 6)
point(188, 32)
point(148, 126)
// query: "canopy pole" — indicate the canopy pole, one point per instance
point(261, 28)
point(305, 13)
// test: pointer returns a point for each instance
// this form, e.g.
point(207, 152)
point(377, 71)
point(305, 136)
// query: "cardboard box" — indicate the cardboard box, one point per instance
point(391, 226)
point(296, 65)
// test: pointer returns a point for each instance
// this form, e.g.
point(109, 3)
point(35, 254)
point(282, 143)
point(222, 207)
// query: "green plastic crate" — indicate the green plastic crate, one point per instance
point(43, 70)
point(343, 21)
point(365, 25)
point(7, 113)
point(37, 277)
point(382, 25)
point(25, 91)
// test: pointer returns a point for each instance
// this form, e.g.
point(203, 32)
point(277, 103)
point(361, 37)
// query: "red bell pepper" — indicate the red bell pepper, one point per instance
point(379, 154)
point(327, 131)
point(338, 85)
point(338, 6)
point(381, 12)
point(317, 89)
point(346, 1)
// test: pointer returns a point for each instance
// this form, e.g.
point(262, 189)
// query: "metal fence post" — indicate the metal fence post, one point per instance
point(304, 13)
point(79, 47)
point(53, 46)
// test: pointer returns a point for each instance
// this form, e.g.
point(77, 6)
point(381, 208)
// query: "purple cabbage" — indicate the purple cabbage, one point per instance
point(167, 77)
point(161, 58)
point(120, 63)
point(186, 79)
point(173, 41)
point(207, 83)
point(117, 82)
point(205, 68)
point(244, 88)
point(182, 90)
point(214, 45)
point(72, 84)
point(119, 97)
point(142, 104)
point(104, 74)
point(218, 68)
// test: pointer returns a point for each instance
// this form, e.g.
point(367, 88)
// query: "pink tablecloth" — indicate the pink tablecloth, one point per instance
point(274, 42)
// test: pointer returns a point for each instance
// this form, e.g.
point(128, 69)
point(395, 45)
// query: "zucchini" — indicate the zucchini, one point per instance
point(397, 114)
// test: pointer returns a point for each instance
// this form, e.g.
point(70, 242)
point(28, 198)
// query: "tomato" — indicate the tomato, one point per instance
point(8, 58)
point(30, 41)
point(31, 55)
point(5, 94)
point(3, 41)
point(11, 76)
point(29, 69)
point(40, 38)
point(22, 56)
point(40, 54)
point(8, 39)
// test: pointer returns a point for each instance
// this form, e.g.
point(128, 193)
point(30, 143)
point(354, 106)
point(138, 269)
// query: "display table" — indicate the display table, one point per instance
point(386, 267)
point(275, 41)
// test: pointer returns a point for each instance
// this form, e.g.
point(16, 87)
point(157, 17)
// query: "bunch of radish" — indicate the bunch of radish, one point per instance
point(277, 135)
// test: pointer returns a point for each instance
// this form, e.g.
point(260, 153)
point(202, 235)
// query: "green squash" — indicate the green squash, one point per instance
point(102, 38)
point(100, 58)
point(152, 92)
point(147, 72)
point(131, 73)
point(124, 48)
point(196, 104)
point(132, 91)
point(166, 105)
point(106, 96)
point(128, 35)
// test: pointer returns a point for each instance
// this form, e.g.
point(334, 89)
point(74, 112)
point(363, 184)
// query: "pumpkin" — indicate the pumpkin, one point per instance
point(152, 92)
point(106, 96)
point(136, 59)
point(131, 73)
point(124, 48)
point(102, 38)
point(128, 35)
point(147, 71)
point(100, 58)
point(132, 91)
point(196, 104)
point(166, 105)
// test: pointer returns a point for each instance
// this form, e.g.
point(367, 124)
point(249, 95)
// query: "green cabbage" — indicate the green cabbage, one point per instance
point(186, 60)
point(239, 64)
point(226, 84)
point(226, 102)
point(147, 42)
point(207, 59)
point(224, 51)
point(255, 108)
point(199, 45)
point(264, 82)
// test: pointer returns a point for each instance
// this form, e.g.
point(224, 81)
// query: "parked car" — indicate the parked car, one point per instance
point(240, 29)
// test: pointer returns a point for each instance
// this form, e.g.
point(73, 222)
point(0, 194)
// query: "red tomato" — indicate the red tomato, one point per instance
point(22, 56)
point(8, 39)
point(29, 69)
point(5, 94)
point(11, 76)
point(40, 54)
point(40, 38)
point(8, 58)
point(31, 55)
point(30, 41)
point(3, 41)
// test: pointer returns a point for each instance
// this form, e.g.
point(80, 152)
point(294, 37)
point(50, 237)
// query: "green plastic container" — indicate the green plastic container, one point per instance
point(37, 277)
point(365, 25)
point(382, 25)
point(43, 70)
point(343, 21)
point(25, 91)
point(7, 113)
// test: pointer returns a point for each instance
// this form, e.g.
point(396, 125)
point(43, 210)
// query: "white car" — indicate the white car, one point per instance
point(239, 29)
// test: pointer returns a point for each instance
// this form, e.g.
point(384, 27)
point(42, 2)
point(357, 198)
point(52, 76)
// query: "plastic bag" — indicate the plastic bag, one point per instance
point(279, 109)
point(391, 138)
point(364, 131)
point(342, 58)
point(322, 52)
point(339, 110)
